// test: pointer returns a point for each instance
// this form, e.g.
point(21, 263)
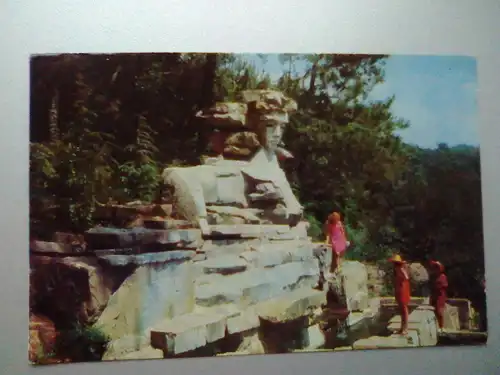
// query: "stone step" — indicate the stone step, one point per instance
point(383, 342)
point(423, 321)
point(248, 230)
point(273, 254)
point(113, 238)
point(207, 325)
point(188, 332)
point(147, 258)
point(223, 265)
point(254, 285)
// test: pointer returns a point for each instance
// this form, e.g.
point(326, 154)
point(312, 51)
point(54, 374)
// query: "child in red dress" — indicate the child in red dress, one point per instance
point(336, 237)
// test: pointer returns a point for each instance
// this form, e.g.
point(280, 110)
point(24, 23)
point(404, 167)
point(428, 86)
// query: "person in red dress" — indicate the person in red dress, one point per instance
point(401, 290)
point(336, 238)
point(439, 284)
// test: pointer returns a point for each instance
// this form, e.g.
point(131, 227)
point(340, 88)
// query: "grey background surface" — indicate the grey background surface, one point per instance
point(455, 27)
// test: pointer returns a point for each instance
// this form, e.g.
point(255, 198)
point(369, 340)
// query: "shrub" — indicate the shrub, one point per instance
point(82, 344)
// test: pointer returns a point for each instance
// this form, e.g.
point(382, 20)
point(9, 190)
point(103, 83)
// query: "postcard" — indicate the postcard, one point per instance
point(214, 204)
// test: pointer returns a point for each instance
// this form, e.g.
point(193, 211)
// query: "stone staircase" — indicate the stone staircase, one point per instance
point(241, 278)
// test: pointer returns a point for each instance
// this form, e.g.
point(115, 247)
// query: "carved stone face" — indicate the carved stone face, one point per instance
point(274, 134)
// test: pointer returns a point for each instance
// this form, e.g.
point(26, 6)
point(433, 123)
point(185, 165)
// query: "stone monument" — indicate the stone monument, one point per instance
point(245, 181)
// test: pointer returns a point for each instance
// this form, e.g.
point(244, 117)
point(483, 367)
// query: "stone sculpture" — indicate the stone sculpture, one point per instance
point(246, 175)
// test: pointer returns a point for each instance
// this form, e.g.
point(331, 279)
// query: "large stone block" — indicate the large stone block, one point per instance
point(254, 285)
point(243, 289)
point(154, 292)
point(291, 306)
point(277, 253)
point(188, 332)
point(217, 294)
point(423, 321)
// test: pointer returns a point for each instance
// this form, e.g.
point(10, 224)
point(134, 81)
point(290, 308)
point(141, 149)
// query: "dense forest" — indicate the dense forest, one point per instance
point(104, 126)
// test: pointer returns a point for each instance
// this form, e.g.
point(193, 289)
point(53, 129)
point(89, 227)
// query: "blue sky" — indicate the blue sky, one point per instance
point(436, 94)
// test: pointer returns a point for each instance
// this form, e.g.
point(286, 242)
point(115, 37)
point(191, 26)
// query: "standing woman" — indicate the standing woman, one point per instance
point(438, 291)
point(337, 239)
point(401, 290)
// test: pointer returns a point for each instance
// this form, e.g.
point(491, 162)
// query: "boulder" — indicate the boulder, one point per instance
point(419, 279)
point(75, 287)
point(354, 279)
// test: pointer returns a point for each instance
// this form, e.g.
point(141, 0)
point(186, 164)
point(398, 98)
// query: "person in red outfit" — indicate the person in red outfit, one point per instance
point(439, 284)
point(401, 290)
point(336, 238)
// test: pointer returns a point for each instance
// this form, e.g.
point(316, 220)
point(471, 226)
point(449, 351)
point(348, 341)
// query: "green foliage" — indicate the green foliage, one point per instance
point(315, 230)
point(137, 182)
point(82, 344)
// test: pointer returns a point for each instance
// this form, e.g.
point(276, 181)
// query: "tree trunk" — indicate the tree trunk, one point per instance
point(207, 98)
point(312, 80)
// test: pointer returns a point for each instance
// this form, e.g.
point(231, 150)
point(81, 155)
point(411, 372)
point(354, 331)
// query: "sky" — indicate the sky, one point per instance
point(436, 94)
